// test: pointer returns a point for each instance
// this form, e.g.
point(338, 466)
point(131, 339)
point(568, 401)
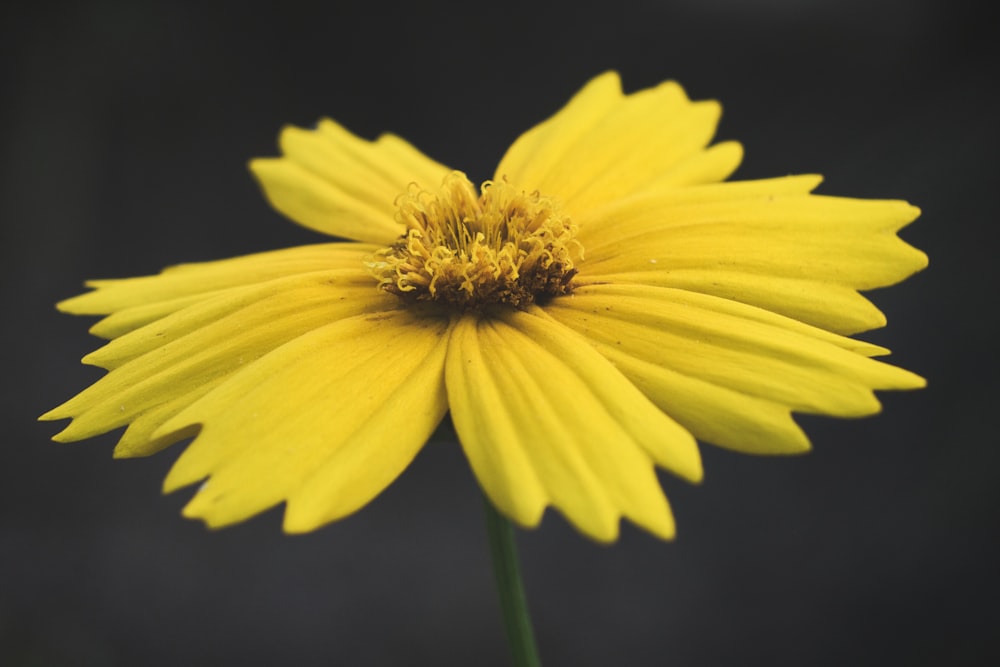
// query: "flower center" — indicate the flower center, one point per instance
point(471, 250)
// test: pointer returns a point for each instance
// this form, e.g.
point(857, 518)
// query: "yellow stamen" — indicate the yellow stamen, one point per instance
point(503, 246)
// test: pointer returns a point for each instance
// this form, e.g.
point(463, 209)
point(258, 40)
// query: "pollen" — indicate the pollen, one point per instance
point(470, 250)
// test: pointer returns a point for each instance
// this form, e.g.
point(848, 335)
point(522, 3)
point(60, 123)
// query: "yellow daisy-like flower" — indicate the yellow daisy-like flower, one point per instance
point(584, 316)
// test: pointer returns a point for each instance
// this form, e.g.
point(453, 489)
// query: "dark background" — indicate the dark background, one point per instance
point(125, 131)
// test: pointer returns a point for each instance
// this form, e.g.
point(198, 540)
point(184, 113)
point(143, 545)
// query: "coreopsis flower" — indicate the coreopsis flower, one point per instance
point(604, 301)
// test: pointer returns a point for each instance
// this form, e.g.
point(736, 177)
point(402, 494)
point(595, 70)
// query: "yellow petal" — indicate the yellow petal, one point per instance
point(544, 420)
point(850, 242)
point(181, 285)
point(714, 414)
point(392, 158)
point(658, 205)
point(604, 145)
point(341, 285)
point(177, 355)
point(537, 152)
point(324, 422)
point(827, 305)
point(763, 217)
point(740, 348)
point(712, 165)
point(130, 318)
point(339, 184)
point(138, 439)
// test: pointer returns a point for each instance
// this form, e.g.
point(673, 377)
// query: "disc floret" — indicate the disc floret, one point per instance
point(470, 250)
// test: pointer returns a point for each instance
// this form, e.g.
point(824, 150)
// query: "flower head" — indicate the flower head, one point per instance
point(603, 301)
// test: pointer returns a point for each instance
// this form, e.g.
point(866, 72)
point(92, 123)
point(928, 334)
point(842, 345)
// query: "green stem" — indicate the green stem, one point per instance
point(514, 607)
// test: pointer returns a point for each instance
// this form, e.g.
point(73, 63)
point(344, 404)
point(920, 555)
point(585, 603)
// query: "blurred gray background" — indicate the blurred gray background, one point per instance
point(125, 131)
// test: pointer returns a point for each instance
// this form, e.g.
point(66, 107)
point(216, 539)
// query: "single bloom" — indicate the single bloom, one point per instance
point(604, 301)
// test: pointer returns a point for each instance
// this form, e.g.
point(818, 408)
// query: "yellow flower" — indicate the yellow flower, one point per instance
point(602, 302)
